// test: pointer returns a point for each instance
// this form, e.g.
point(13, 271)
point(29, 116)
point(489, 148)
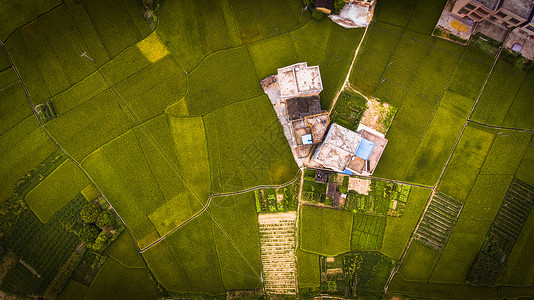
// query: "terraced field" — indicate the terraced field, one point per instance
point(438, 221)
point(277, 239)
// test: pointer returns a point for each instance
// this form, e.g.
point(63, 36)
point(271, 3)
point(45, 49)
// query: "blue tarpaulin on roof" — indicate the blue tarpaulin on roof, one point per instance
point(365, 148)
point(307, 139)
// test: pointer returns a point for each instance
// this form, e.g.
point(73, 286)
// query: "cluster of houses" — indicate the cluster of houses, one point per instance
point(294, 94)
point(510, 22)
point(517, 15)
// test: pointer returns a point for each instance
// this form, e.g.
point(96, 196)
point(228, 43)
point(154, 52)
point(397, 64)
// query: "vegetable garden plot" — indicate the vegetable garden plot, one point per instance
point(367, 232)
point(277, 240)
point(438, 221)
point(356, 273)
point(384, 198)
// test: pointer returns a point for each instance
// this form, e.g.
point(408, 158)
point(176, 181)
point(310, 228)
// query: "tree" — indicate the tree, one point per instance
point(105, 218)
point(90, 212)
point(100, 241)
point(89, 233)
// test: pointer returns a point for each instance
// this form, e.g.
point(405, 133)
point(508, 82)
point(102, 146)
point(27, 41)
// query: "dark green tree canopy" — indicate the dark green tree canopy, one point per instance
point(105, 218)
point(89, 233)
point(90, 212)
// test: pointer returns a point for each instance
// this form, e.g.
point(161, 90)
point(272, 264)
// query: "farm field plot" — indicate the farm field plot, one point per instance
point(23, 148)
point(246, 146)
point(506, 152)
point(518, 268)
point(466, 162)
point(517, 115)
point(471, 227)
point(523, 172)
point(53, 43)
point(277, 239)
point(60, 187)
point(399, 229)
point(14, 15)
point(7, 77)
point(418, 263)
point(367, 232)
point(439, 139)
point(438, 221)
point(383, 199)
point(237, 240)
point(194, 250)
point(308, 270)
point(495, 102)
point(115, 281)
point(325, 231)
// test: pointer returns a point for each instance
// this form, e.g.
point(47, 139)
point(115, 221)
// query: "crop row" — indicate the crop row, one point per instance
point(438, 221)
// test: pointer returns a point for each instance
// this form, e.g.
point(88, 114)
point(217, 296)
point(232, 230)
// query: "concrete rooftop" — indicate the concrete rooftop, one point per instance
point(491, 4)
point(522, 8)
point(299, 80)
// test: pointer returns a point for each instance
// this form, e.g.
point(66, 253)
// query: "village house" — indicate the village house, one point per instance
point(504, 13)
point(350, 152)
point(294, 93)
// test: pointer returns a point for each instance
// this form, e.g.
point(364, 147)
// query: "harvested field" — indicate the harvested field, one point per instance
point(277, 239)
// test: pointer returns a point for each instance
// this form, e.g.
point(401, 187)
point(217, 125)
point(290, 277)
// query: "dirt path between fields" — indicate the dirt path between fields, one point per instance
point(346, 82)
point(208, 204)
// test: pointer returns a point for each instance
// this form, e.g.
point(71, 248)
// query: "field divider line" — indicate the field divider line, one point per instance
point(500, 127)
point(209, 201)
point(346, 82)
point(434, 189)
point(32, 106)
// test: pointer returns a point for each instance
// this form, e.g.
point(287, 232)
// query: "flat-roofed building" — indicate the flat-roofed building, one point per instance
point(512, 13)
point(349, 152)
point(475, 10)
point(527, 29)
point(299, 80)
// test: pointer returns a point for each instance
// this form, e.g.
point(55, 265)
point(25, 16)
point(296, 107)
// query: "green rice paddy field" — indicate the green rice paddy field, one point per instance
point(162, 119)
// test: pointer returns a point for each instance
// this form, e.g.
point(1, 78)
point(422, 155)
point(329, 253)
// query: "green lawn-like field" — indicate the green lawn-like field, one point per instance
point(56, 190)
point(325, 231)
